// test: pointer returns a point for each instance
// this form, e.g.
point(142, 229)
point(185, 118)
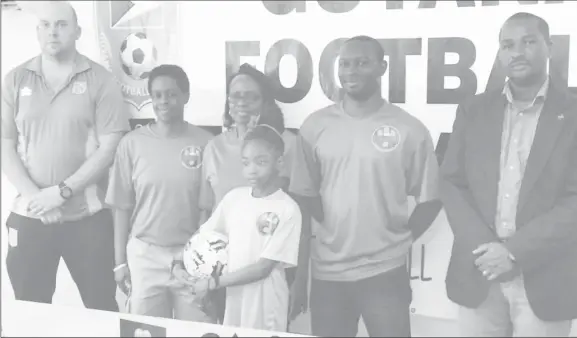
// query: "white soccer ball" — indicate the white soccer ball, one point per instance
point(204, 253)
point(138, 56)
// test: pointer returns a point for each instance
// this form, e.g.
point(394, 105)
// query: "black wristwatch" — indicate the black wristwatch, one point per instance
point(65, 190)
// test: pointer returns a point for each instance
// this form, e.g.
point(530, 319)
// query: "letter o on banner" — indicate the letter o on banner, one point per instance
point(304, 69)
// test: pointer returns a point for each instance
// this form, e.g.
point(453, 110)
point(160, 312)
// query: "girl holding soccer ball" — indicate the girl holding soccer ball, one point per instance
point(250, 101)
point(262, 227)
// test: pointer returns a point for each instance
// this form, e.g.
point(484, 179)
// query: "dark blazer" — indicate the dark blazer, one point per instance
point(545, 244)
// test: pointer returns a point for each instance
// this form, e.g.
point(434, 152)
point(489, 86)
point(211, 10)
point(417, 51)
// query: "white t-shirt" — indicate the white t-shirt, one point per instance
point(256, 228)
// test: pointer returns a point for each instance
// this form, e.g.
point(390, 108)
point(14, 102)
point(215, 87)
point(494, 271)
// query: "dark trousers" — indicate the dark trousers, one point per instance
point(87, 247)
point(383, 301)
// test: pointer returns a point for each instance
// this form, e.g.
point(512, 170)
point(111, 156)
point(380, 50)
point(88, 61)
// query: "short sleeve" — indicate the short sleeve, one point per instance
point(112, 115)
point(283, 246)
point(206, 196)
point(423, 170)
point(217, 220)
point(9, 107)
point(120, 193)
point(305, 176)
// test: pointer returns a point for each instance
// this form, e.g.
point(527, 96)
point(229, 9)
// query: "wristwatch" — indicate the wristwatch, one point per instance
point(65, 190)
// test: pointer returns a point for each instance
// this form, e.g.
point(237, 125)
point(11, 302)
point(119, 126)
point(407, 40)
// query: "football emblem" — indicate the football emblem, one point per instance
point(191, 157)
point(267, 223)
point(138, 56)
point(386, 138)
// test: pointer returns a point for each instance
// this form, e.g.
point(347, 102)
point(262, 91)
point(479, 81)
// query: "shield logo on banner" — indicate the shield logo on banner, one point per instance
point(134, 37)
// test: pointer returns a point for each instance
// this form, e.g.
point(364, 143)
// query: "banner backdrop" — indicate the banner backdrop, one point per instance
point(133, 39)
point(439, 53)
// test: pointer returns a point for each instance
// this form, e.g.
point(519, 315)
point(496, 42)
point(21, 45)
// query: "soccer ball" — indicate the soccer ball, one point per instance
point(205, 253)
point(138, 56)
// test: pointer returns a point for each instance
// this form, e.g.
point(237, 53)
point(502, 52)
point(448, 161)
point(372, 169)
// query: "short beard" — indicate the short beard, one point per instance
point(529, 80)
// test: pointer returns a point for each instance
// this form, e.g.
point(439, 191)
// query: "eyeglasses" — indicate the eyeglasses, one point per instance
point(249, 97)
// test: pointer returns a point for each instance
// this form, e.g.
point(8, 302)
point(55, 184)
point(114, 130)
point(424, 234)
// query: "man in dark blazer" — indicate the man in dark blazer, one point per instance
point(509, 187)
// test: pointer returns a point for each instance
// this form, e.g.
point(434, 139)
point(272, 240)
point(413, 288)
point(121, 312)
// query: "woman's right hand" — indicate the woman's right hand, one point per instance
point(182, 276)
point(122, 278)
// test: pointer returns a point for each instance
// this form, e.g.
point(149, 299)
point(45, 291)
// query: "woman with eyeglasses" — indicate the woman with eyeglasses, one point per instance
point(250, 101)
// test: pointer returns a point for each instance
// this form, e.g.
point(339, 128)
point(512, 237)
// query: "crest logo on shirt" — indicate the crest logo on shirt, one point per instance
point(386, 138)
point(79, 88)
point(191, 157)
point(267, 223)
point(26, 91)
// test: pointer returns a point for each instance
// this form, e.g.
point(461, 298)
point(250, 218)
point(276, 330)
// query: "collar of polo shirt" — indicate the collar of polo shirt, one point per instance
point(80, 64)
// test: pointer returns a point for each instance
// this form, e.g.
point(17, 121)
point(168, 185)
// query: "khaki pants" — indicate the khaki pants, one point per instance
point(154, 291)
point(506, 312)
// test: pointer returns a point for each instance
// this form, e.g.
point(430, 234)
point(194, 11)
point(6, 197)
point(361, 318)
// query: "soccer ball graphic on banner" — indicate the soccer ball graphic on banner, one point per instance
point(205, 253)
point(138, 56)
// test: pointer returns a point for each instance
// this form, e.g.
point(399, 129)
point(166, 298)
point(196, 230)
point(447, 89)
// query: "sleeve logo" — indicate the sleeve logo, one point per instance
point(267, 223)
point(386, 138)
point(191, 157)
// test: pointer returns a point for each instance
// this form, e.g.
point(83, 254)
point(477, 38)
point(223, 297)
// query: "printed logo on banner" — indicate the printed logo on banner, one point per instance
point(191, 157)
point(129, 328)
point(386, 138)
point(134, 37)
point(138, 123)
point(267, 223)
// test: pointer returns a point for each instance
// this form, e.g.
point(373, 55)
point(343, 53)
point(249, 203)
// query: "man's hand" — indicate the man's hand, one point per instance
point(182, 276)
point(122, 278)
point(494, 260)
point(46, 200)
point(298, 296)
point(52, 216)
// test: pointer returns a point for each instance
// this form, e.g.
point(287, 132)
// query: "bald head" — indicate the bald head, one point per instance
point(62, 8)
point(58, 28)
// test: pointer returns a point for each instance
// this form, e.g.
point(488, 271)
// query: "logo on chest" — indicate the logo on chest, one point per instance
point(79, 87)
point(267, 223)
point(386, 138)
point(26, 91)
point(191, 157)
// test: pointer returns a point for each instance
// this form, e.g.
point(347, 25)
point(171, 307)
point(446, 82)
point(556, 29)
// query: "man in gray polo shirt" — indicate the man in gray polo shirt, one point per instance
point(62, 118)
